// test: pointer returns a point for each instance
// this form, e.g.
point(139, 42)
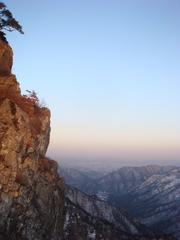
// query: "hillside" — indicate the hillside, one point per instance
point(156, 202)
point(149, 193)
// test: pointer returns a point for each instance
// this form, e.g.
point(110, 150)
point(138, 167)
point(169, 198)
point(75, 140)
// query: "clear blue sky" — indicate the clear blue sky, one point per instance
point(110, 72)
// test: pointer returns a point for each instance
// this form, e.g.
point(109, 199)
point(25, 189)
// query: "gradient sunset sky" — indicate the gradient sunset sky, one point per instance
point(110, 72)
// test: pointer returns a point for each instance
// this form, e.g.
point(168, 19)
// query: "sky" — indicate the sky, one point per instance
point(109, 70)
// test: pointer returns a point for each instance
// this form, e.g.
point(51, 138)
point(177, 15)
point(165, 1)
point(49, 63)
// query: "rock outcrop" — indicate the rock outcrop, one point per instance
point(6, 58)
point(31, 192)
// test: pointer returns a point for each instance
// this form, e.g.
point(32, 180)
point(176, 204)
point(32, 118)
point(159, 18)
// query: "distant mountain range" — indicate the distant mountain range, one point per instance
point(149, 193)
point(89, 218)
point(156, 202)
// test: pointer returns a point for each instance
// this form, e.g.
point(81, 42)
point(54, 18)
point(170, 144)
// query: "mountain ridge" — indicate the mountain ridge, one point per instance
point(136, 190)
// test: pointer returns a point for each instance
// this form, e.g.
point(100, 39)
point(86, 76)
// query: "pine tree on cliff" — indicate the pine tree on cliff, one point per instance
point(7, 22)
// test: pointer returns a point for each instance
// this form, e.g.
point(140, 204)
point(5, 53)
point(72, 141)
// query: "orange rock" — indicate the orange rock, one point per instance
point(6, 58)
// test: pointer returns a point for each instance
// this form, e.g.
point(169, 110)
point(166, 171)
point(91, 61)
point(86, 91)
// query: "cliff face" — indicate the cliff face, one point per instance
point(31, 193)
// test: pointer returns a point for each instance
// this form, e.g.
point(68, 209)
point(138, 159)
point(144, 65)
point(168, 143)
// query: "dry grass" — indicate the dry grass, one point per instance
point(29, 106)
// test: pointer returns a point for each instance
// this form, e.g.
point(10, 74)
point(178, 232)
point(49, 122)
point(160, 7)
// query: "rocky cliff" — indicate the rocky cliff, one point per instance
point(31, 192)
point(6, 58)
